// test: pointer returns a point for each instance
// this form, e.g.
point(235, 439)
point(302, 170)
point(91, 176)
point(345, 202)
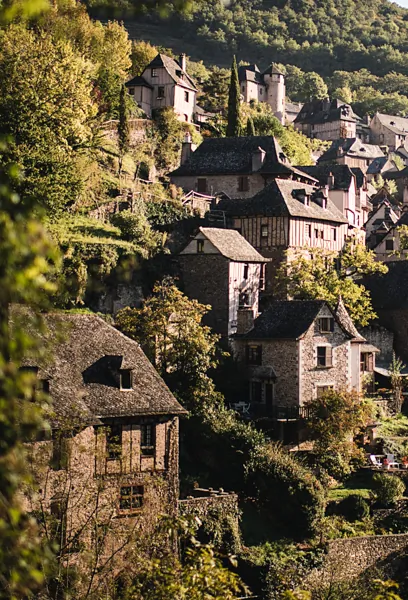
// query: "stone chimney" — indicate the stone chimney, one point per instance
point(183, 62)
point(258, 158)
point(330, 181)
point(245, 320)
point(187, 147)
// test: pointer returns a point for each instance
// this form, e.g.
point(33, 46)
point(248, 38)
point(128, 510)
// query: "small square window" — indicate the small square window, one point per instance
point(243, 184)
point(131, 497)
point(132, 91)
point(200, 246)
point(244, 300)
point(321, 390)
point(147, 439)
point(324, 356)
point(254, 355)
point(389, 244)
point(264, 231)
point(154, 72)
point(186, 97)
point(325, 325)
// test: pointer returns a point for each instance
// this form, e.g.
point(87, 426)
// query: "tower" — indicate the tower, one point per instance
point(275, 91)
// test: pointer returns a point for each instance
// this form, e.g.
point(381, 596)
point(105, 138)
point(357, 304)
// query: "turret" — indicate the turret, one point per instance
point(275, 91)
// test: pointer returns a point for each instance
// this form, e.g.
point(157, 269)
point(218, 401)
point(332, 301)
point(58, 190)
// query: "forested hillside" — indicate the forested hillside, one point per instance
point(326, 37)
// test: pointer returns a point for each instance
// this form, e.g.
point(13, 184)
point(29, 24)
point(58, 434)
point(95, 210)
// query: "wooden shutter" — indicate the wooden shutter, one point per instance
point(329, 356)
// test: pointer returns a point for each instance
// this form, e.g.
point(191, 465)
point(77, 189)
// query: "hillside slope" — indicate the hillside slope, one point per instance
point(321, 36)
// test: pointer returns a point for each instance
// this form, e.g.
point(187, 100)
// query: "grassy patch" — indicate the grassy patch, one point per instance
point(84, 230)
point(359, 483)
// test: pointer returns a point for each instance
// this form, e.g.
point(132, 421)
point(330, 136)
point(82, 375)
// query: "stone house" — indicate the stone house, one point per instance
point(287, 215)
point(220, 268)
point(346, 188)
point(268, 86)
point(296, 350)
point(236, 167)
point(388, 130)
point(388, 248)
point(109, 468)
point(352, 152)
point(330, 120)
point(380, 221)
point(378, 167)
point(165, 82)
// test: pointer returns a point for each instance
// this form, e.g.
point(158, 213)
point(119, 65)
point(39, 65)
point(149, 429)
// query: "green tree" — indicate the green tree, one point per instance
point(313, 87)
point(167, 138)
point(250, 127)
point(123, 127)
point(215, 89)
point(234, 103)
point(397, 382)
point(328, 276)
point(334, 420)
point(141, 55)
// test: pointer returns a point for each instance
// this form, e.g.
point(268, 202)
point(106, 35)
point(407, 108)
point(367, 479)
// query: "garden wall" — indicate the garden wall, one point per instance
point(349, 558)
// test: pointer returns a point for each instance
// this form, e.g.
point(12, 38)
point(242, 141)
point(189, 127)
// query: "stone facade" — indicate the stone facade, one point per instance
point(221, 184)
point(347, 559)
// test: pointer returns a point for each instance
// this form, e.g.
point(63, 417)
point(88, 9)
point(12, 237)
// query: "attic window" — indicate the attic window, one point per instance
point(125, 379)
point(132, 91)
point(200, 246)
point(325, 324)
point(154, 72)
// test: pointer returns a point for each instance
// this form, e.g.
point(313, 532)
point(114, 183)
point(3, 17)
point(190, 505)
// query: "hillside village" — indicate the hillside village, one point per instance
point(203, 332)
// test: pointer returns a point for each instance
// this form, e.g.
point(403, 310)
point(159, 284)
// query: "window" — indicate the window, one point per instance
point(256, 391)
point(154, 72)
point(186, 97)
point(334, 234)
point(389, 244)
point(147, 439)
point(316, 233)
point(131, 497)
point(308, 231)
point(246, 271)
point(200, 246)
point(242, 88)
point(160, 92)
point(45, 385)
point(324, 356)
point(260, 91)
point(132, 91)
point(322, 234)
point(114, 442)
point(367, 362)
point(243, 184)
point(244, 300)
point(325, 324)
point(264, 231)
point(125, 379)
point(254, 355)
point(323, 389)
point(201, 185)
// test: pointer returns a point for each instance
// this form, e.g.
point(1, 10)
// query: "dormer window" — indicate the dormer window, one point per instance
point(200, 246)
point(125, 379)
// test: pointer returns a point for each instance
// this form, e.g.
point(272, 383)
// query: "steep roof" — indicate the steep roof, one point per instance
point(342, 174)
point(250, 73)
point(279, 199)
point(138, 81)
point(397, 125)
point(231, 244)
point(233, 155)
point(84, 372)
point(175, 71)
point(351, 147)
point(273, 69)
point(403, 220)
point(389, 291)
point(345, 321)
point(378, 165)
point(326, 111)
point(391, 174)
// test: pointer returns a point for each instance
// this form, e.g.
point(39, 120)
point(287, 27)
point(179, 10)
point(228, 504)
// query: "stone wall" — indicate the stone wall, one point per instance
point(206, 279)
point(216, 184)
point(382, 338)
point(349, 558)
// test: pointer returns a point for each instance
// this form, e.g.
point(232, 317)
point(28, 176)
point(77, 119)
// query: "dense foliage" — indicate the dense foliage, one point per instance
point(388, 489)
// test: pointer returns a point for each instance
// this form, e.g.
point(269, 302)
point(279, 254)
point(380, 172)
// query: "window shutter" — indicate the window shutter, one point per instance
point(371, 362)
point(329, 356)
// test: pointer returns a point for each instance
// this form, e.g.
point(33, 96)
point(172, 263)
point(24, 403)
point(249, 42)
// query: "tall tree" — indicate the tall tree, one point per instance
point(234, 103)
point(123, 127)
point(250, 127)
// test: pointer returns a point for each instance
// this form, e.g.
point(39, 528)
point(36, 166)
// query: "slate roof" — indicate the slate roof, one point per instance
point(138, 81)
point(323, 111)
point(343, 175)
point(232, 245)
point(84, 372)
point(250, 73)
point(273, 69)
point(396, 174)
point(377, 165)
point(345, 321)
point(403, 220)
point(175, 71)
point(351, 147)
point(389, 291)
point(233, 156)
point(277, 199)
point(397, 125)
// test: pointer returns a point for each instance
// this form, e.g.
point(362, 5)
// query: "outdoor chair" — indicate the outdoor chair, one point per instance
point(375, 462)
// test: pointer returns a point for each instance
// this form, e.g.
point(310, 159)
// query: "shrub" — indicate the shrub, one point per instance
point(135, 228)
point(388, 489)
point(353, 508)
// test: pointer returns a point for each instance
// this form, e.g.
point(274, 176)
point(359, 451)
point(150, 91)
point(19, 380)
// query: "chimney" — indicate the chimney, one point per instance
point(183, 62)
point(330, 181)
point(187, 147)
point(258, 158)
point(245, 320)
